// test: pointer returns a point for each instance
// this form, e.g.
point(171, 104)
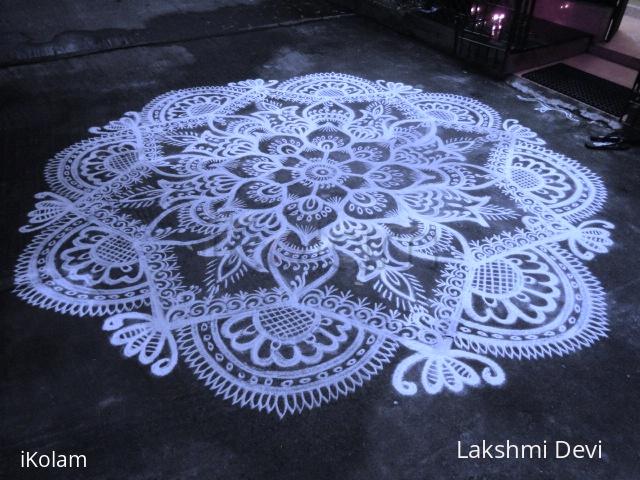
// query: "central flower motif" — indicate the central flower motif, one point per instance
point(321, 180)
point(325, 174)
point(315, 169)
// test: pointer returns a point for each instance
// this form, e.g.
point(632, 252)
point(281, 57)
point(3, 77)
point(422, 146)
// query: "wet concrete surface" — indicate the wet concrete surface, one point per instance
point(33, 31)
point(65, 388)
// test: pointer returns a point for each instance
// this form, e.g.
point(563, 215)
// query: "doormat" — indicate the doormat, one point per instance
point(585, 87)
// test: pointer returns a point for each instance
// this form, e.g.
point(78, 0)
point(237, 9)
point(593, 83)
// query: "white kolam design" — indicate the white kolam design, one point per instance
point(288, 240)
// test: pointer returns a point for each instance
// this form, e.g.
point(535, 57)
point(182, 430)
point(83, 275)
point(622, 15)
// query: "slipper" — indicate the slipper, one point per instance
point(610, 137)
point(614, 143)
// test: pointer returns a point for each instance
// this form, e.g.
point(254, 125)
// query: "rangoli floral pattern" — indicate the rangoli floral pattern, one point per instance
point(288, 240)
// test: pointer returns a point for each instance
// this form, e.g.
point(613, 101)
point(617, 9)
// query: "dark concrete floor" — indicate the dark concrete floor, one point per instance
point(65, 388)
point(33, 30)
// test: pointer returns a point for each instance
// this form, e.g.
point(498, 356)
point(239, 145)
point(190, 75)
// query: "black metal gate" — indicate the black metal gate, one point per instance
point(616, 18)
point(486, 31)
